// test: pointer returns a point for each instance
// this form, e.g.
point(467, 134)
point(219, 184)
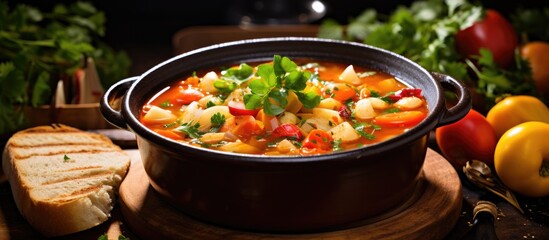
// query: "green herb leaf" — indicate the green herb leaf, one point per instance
point(217, 121)
point(190, 129)
point(275, 80)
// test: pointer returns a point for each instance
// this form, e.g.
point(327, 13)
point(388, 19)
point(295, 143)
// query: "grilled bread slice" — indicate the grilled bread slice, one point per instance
point(63, 179)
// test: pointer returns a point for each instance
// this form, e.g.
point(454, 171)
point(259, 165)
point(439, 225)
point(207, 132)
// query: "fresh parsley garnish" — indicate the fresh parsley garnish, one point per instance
point(66, 158)
point(217, 121)
point(360, 127)
point(270, 89)
point(233, 78)
point(190, 129)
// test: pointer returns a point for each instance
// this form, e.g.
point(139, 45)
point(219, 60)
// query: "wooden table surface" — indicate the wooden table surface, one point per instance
point(510, 224)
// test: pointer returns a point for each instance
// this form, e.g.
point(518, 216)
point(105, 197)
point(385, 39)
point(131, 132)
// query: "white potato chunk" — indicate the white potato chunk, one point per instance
point(211, 138)
point(157, 115)
point(378, 104)
point(203, 102)
point(316, 123)
point(239, 147)
point(329, 103)
point(408, 103)
point(191, 113)
point(288, 117)
point(328, 114)
point(349, 76)
point(364, 109)
point(285, 146)
point(345, 132)
point(205, 118)
point(207, 82)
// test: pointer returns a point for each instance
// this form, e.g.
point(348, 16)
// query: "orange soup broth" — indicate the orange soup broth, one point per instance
point(372, 82)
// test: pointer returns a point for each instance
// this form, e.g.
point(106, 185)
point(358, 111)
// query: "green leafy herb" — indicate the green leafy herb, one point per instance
point(336, 145)
point(217, 121)
point(270, 90)
point(360, 127)
point(165, 104)
point(38, 48)
point(66, 158)
point(190, 129)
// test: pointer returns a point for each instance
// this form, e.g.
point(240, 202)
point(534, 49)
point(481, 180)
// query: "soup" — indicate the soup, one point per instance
point(285, 107)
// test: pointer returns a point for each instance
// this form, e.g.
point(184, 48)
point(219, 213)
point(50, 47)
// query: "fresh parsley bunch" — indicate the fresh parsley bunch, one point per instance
point(39, 48)
point(270, 90)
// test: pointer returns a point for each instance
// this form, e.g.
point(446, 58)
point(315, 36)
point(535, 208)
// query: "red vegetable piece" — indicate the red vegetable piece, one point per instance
point(239, 109)
point(288, 130)
point(318, 139)
point(406, 92)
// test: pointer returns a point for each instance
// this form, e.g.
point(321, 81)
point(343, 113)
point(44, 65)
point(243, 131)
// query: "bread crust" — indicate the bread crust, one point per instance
point(58, 185)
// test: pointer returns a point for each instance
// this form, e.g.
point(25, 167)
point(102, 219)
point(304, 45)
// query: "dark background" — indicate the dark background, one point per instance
point(144, 29)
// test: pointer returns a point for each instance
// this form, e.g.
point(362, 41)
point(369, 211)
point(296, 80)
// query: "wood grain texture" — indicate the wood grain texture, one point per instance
point(431, 216)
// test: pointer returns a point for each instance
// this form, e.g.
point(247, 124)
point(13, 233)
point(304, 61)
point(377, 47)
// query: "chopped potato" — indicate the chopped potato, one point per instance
point(345, 132)
point(207, 82)
point(157, 115)
point(327, 114)
point(239, 147)
point(211, 138)
point(288, 117)
point(349, 76)
point(329, 103)
point(205, 118)
point(285, 146)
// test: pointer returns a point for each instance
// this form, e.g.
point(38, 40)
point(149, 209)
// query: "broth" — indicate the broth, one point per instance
point(285, 107)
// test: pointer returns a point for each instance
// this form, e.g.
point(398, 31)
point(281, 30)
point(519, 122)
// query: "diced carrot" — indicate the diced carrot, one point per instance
point(269, 122)
point(170, 134)
point(402, 119)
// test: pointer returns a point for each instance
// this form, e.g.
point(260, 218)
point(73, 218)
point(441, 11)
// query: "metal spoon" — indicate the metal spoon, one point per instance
point(481, 175)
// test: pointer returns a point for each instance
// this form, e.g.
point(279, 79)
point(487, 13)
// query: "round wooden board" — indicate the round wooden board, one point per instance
point(431, 216)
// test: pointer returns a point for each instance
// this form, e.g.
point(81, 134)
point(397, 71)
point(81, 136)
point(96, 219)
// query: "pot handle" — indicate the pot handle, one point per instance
point(112, 100)
point(462, 107)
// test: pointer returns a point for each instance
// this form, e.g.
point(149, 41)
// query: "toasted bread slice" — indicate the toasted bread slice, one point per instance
point(63, 179)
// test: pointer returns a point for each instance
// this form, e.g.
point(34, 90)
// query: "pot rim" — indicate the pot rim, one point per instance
point(414, 133)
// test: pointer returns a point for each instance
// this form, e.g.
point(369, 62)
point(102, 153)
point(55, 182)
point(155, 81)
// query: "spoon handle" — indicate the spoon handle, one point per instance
point(481, 176)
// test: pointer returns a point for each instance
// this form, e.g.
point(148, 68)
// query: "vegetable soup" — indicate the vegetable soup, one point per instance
point(285, 107)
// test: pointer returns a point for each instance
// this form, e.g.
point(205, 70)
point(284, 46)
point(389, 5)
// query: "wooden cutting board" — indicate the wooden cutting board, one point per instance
point(431, 216)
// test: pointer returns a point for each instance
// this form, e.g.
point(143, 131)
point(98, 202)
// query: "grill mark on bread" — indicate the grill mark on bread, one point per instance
point(69, 197)
point(65, 152)
point(79, 177)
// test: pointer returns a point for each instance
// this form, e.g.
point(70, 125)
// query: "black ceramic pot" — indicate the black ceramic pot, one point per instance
point(285, 193)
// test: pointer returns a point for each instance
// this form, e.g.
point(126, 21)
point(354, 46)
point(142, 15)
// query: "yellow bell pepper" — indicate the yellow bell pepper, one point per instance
point(515, 110)
point(520, 159)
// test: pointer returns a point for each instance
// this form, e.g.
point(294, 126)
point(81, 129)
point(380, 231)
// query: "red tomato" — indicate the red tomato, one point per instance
point(239, 109)
point(493, 32)
point(189, 95)
point(400, 119)
point(287, 130)
point(472, 137)
point(318, 139)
